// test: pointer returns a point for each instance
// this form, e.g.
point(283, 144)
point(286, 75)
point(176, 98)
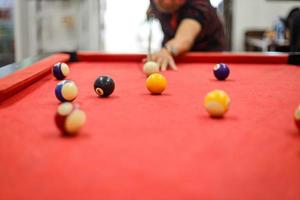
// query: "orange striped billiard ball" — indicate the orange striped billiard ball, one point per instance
point(217, 103)
point(156, 83)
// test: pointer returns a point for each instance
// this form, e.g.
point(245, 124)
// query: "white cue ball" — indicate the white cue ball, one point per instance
point(151, 67)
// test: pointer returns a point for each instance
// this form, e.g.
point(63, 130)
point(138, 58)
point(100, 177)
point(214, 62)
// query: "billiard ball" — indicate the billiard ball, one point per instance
point(150, 67)
point(156, 83)
point(297, 117)
point(69, 118)
point(221, 71)
point(217, 103)
point(66, 90)
point(60, 71)
point(104, 86)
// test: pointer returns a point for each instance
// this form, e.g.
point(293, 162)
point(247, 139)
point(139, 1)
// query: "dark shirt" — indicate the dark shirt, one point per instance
point(211, 37)
point(293, 24)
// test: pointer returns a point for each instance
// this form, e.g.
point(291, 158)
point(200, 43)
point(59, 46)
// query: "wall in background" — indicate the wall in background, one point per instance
point(6, 32)
point(256, 14)
point(126, 29)
point(55, 26)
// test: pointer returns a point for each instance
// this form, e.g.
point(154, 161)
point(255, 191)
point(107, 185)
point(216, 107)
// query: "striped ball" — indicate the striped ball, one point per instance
point(217, 103)
point(297, 117)
point(66, 90)
point(60, 71)
point(69, 118)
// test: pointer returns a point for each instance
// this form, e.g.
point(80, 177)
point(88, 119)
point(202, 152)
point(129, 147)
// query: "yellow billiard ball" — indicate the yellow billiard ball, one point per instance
point(217, 103)
point(156, 83)
point(297, 117)
point(150, 67)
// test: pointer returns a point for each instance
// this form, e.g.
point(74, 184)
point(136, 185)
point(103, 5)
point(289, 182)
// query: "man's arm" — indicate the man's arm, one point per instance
point(184, 39)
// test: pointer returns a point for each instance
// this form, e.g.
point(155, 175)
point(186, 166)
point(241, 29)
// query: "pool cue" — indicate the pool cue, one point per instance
point(149, 53)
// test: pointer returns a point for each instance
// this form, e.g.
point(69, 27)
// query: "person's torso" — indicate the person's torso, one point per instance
point(211, 37)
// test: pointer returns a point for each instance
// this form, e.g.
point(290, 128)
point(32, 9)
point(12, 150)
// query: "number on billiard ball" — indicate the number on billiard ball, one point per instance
point(221, 71)
point(104, 86)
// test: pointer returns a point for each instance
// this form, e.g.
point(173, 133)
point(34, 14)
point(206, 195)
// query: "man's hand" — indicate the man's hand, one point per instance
point(164, 60)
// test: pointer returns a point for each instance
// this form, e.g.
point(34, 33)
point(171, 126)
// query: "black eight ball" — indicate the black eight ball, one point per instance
point(104, 86)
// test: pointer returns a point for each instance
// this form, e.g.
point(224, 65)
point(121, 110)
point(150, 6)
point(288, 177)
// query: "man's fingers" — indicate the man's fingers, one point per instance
point(159, 62)
point(163, 61)
point(164, 65)
point(172, 64)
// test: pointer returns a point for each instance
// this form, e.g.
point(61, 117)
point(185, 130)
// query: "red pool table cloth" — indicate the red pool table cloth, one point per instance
point(139, 146)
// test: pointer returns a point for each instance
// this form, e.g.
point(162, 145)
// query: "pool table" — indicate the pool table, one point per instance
point(135, 145)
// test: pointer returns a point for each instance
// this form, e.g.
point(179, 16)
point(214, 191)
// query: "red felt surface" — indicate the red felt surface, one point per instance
point(140, 146)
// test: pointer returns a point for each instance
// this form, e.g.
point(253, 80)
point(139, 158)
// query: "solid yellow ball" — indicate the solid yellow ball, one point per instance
point(297, 117)
point(156, 83)
point(217, 103)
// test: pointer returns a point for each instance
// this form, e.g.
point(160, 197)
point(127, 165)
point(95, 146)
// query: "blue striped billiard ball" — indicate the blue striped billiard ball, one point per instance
point(221, 71)
point(66, 90)
point(60, 71)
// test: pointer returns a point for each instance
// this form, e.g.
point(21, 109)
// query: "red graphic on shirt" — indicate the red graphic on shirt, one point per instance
point(174, 21)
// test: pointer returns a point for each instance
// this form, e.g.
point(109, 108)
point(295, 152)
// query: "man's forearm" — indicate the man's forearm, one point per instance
point(186, 34)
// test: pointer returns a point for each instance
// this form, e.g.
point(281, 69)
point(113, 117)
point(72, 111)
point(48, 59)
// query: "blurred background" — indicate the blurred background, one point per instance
point(33, 27)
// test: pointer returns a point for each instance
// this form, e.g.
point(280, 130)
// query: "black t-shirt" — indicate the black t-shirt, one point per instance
point(211, 37)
